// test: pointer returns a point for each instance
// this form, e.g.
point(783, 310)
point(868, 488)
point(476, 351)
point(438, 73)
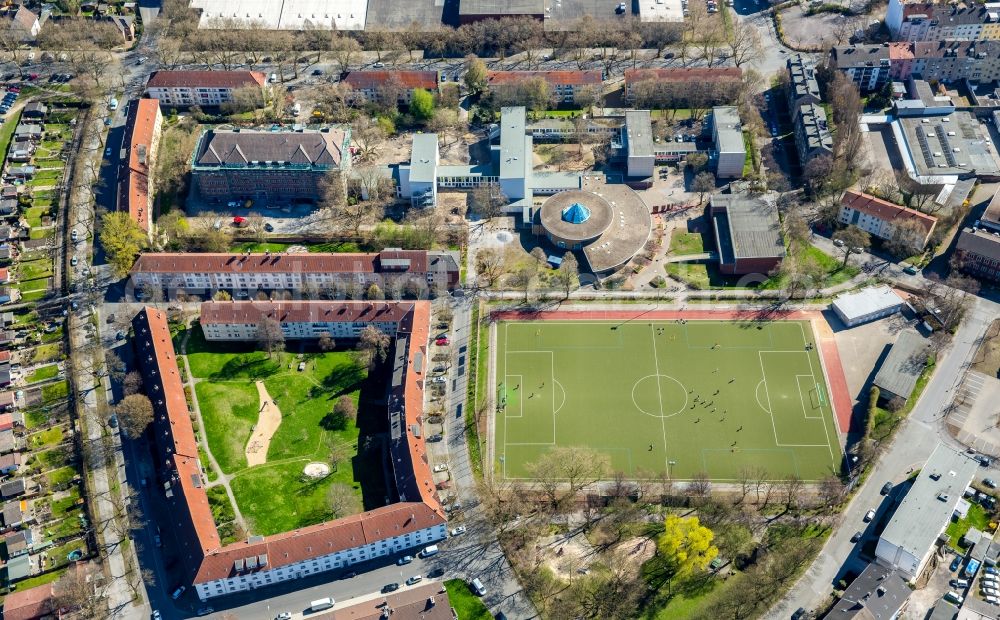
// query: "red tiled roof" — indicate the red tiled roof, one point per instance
point(140, 130)
point(316, 540)
point(883, 210)
point(30, 604)
point(691, 74)
point(250, 312)
point(6, 421)
point(4, 275)
point(275, 263)
point(4, 356)
point(562, 78)
point(361, 80)
point(205, 79)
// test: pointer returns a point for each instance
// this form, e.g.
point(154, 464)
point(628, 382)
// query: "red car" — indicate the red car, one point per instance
point(441, 342)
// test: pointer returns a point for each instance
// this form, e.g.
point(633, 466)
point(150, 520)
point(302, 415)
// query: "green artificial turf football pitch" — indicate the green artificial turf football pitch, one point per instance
point(666, 396)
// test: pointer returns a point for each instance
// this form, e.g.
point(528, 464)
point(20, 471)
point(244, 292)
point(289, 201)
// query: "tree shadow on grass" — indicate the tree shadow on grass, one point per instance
point(343, 379)
point(247, 367)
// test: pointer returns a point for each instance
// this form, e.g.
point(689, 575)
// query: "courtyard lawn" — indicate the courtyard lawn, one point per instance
point(710, 397)
point(229, 410)
point(279, 498)
point(467, 605)
point(273, 496)
point(682, 243)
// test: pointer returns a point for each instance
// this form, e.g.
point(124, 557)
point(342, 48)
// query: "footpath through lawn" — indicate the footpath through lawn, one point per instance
point(277, 497)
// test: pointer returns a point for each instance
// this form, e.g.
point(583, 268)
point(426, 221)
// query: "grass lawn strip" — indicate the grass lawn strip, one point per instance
point(467, 605)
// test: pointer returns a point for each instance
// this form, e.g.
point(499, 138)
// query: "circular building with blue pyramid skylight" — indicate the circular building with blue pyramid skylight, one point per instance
point(607, 223)
point(574, 218)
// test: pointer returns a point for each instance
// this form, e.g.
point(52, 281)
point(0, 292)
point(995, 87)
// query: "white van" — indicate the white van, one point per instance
point(960, 583)
point(478, 587)
point(954, 597)
point(429, 551)
point(321, 604)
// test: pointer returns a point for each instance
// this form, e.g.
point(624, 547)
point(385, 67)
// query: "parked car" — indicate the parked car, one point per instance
point(435, 438)
point(992, 571)
point(178, 592)
point(442, 342)
point(955, 564)
point(856, 537)
point(74, 235)
point(886, 488)
point(440, 467)
point(990, 483)
point(390, 587)
point(406, 559)
point(285, 615)
point(414, 579)
point(869, 515)
point(458, 531)
point(910, 270)
point(204, 611)
point(435, 573)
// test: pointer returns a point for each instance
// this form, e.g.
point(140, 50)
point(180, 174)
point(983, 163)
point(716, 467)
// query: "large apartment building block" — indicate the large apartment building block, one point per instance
point(415, 519)
point(565, 86)
point(240, 321)
point(812, 132)
point(138, 161)
point(181, 89)
point(268, 167)
point(883, 219)
point(926, 21)
point(384, 86)
point(871, 66)
point(343, 274)
point(803, 87)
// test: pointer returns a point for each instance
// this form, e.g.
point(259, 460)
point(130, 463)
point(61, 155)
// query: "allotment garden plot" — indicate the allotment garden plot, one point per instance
point(681, 397)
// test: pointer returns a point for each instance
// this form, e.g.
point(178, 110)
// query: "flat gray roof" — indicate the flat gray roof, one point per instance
point(500, 8)
point(902, 367)
point(953, 143)
point(639, 132)
point(921, 516)
point(754, 227)
point(866, 301)
point(729, 129)
point(423, 158)
point(514, 158)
